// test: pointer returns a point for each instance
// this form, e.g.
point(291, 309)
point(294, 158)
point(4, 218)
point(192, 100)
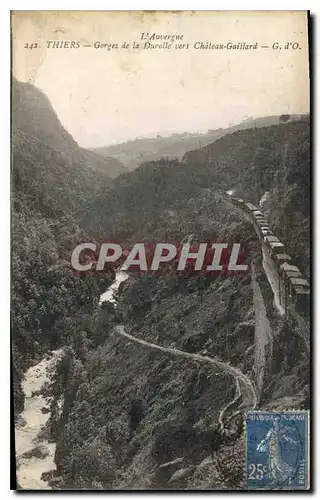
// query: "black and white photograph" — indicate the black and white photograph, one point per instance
point(160, 250)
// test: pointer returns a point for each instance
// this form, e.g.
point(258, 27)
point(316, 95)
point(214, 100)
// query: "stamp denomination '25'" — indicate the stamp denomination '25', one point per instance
point(277, 450)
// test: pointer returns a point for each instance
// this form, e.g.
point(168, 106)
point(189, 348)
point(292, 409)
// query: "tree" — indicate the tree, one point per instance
point(284, 118)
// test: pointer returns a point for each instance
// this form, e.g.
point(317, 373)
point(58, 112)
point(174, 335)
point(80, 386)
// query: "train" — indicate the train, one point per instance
point(296, 288)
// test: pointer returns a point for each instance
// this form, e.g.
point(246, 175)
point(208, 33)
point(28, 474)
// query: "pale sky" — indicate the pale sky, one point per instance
point(104, 97)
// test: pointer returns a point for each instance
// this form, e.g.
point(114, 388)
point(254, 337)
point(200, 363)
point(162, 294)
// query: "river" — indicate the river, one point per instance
point(28, 435)
point(29, 426)
point(108, 295)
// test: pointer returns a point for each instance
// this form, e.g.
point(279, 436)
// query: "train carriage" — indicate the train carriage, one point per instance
point(297, 282)
point(261, 221)
point(281, 261)
point(236, 201)
point(251, 207)
point(276, 248)
point(264, 225)
point(257, 213)
point(292, 274)
point(288, 274)
point(300, 295)
point(270, 239)
point(259, 225)
point(273, 245)
point(265, 231)
point(288, 267)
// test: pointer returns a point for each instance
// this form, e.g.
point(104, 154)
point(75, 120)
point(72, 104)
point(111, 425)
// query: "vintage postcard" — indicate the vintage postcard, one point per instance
point(160, 228)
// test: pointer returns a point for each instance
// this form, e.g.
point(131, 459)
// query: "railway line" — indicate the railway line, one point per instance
point(292, 288)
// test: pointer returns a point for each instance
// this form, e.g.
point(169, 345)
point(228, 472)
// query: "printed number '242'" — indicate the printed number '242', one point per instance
point(256, 471)
point(33, 45)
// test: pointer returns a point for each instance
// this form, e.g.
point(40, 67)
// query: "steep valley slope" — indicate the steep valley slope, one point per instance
point(154, 414)
point(53, 181)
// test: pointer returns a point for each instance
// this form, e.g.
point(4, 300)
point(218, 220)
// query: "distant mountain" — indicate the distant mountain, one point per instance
point(34, 117)
point(133, 153)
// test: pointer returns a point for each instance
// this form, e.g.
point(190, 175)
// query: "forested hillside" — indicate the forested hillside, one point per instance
point(52, 182)
point(274, 159)
point(126, 411)
point(154, 199)
point(140, 410)
point(44, 126)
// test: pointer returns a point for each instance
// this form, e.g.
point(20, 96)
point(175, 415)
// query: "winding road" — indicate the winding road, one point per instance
point(232, 404)
point(245, 386)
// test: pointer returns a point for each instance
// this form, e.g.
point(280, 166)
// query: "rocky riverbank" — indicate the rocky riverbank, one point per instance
point(34, 453)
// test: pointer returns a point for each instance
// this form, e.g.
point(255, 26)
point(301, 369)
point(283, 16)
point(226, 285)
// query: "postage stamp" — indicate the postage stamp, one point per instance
point(277, 450)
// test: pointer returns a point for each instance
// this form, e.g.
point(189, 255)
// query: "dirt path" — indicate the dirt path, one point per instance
point(232, 404)
point(245, 387)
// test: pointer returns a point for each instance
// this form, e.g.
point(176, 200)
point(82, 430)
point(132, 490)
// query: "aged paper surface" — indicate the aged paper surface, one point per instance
point(161, 250)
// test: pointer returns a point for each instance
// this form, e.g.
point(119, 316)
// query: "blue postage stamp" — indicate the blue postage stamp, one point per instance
point(277, 450)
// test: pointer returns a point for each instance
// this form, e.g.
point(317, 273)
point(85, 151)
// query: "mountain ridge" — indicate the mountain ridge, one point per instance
point(136, 151)
point(46, 127)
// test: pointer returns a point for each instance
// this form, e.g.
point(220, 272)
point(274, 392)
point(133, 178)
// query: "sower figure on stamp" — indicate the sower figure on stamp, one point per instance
point(278, 469)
